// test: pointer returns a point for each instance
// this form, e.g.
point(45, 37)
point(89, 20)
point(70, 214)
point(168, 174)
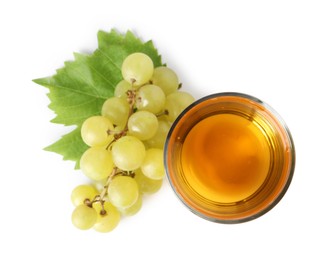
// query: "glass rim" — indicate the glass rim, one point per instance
point(282, 123)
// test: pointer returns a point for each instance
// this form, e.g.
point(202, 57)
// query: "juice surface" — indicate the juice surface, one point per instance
point(225, 158)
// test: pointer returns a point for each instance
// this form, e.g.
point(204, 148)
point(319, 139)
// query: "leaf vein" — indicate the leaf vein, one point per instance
point(90, 84)
point(102, 76)
point(109, 58)
point(79, 92)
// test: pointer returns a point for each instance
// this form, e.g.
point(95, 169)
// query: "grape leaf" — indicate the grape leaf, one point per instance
point(78, 90)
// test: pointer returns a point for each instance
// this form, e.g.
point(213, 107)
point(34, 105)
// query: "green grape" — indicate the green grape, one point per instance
point(130, 211)
point(137, 68)
point(150, 98)
point(122, 88)
point(158, 140)
point(143, 125)
point(147, 185)
point(123, 191)
point(83, 192)
point(128, 153)
point(116, 110)
point(96, 163)
point(166, 79)
point(84, 217)
point(108, 217)
point(152, 166)
point(95, 131)
point(175, 103)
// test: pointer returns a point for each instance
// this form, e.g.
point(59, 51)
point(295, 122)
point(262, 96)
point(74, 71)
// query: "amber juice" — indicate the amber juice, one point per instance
point(226, 157)
point(229, 157)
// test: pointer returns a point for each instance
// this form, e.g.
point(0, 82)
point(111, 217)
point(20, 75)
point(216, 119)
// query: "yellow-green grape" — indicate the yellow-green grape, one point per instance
point(150, 98)
point(152, 166)
point(84, 217)
point(122, 88)
point(96, 163)
point(143, 125)
point(123, 191)
point(134, 209)
point(128, 153)
point(116, 109)
point(166, 79)
point(108, 217)
point(83, 192)
point(95, 131)
point(175, 103)
point(158, 140)
point(147, 185)
point(137, 68)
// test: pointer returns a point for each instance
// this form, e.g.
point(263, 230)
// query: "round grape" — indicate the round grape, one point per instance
point(175, 103)
point(96, 163)
point(128, 153)
point(134, 209)
point(152, 166)
point(122, 88)
point(95, 131)
point(147, 185)
point(108, 217)
point(150, 98)
point(83, 192)
point(137, 68)
point(123, 191)
point(116, 109)
point(84, 217)
point(166, 79)
point(143, 125)
point(158, 140)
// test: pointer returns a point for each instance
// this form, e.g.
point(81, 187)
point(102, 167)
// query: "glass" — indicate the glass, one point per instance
point(229, 157)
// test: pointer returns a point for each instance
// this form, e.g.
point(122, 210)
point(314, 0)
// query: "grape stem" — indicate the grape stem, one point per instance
point(131, 97)
point(165, 112)
point(101, 198)
point(109, 179)
point(131, 100)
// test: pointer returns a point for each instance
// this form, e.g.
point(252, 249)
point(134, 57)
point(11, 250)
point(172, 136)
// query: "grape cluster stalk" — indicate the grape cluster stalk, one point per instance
point(126, 142)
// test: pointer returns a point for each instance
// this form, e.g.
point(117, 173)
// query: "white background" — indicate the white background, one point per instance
point(278, 51)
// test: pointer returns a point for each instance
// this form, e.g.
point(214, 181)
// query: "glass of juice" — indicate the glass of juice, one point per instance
point(229, 157)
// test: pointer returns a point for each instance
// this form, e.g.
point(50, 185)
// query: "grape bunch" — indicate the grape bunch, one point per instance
point(126, 143)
